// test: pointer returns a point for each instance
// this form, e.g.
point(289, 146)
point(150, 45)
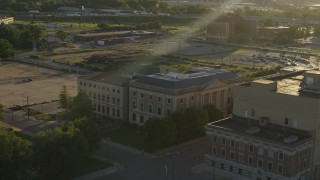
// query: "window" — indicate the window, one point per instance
point(250, 160)
point(252, 113)
point(192, 98)
point(94, 106)
point(159, 99)
point(231, 168)
point(141, 106)
point(150, 108)
point(114, 100)
point(260, 163)
point(305, 151)
point(134, 105)
point(89, 84)
point(305, 164)
point(134, 116)
point(181, 100)
point(103, 109)
point(103, 88)
point(223, 141)
point(229, 100)
point(159, 111)
point(133, 93)
point(107, 88)
point(85, 84)
point(107, 110)
point(232, 143)
point(98, 107)
point(141, 95)
point(98, 96)
point(270, 166)
point(232, 155)
point(113, 112)
point(214, 150)
point(241, 157)
point(270, 153)
point(241, 146)
point(150, 97)
point(118, 113)
point(169, 101)
point(113, 90)
point(260, 150)
point(80, 82)
point(280, 168)
point(281, 156)
point(94, 96)
point(223, 152)
point(103, 97)
point(251, 148)
point(168, 112)
point(118, 91)
point(118, 101)
point(108, 98)
point(214, 138)
point(141, 119)
point(286, 121)
point(94, 86)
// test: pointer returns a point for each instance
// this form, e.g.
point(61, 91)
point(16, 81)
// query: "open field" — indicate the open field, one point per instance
point(45, 85)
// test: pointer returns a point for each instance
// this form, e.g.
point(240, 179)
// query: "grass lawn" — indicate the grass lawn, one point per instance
point(126, 136)
point(44, 117)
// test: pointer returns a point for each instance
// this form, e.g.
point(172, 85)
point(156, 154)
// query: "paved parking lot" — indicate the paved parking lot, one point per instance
point(19, 81)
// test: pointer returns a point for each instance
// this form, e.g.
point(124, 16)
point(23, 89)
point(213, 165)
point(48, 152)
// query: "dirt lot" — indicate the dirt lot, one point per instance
point(17, 81)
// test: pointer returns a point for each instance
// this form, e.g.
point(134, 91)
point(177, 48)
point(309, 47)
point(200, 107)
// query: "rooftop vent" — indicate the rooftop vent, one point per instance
point(290, 139)
point(253, 130)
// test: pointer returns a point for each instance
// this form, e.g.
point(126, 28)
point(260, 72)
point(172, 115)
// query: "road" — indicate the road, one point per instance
point(27, 126)
point(140, 167)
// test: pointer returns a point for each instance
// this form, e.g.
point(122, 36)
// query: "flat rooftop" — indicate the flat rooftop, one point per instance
point(112, 78)
point(269, 133)
point(196, 77)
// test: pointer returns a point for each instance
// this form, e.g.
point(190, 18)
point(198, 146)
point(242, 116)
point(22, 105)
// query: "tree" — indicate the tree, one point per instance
point(81, 107)
point(15, 156)
point(6, 49)
point(62, 35)
point(161, 133)
point(214, 114)
point(64, 99)
point(91, 131)
point(316, 31)
point(9, 33)
point(59, 151)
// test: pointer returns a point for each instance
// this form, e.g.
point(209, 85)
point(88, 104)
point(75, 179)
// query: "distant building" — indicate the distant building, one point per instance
point(6, 20)
point(161, 94)
point(281, 114)
point(108, 93)
point(228, 27)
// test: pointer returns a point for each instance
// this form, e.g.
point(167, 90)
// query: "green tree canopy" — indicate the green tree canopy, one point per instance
point(6, 49)
point(59, 151)
point(15, 156)
point(81, 107)
point(65, 99)
point(91, 130)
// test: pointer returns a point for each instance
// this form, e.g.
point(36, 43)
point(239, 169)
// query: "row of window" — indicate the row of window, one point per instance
point(150, 108)
point(111, 112)
point(104, 98)
point(134, 118)
point(251, 148)
point(249, 160)
point(134, 94)
point(98, 87)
